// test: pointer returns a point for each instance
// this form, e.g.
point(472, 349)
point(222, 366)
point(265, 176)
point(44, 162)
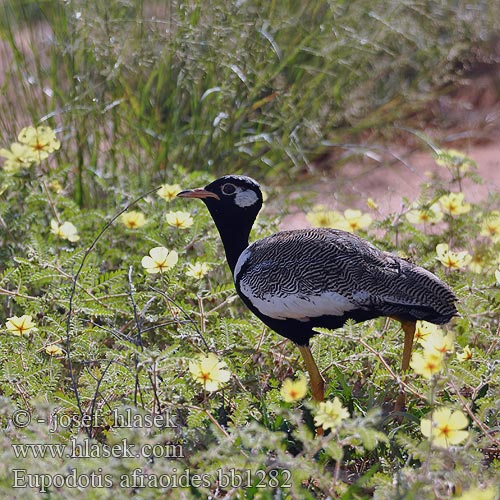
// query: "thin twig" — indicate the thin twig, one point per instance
point(186, 315)
point(74, 381)
point(3, 291)
point(138, 343)
point(51, 202)
point(89, 428)
point(212, 419)
point(396, 377)
point(486, 430)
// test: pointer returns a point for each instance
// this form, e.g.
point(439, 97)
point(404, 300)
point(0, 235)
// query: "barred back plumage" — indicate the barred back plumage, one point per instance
point(310, 263)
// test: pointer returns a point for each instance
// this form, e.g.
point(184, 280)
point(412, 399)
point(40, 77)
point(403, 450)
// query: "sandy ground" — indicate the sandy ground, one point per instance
point(466, 119)
point(389, 180)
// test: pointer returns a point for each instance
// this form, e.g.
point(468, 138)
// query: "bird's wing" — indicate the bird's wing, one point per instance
point(311, 273)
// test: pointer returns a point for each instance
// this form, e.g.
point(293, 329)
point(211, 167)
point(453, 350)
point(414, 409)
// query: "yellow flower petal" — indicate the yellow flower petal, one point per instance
point(54, 350)
point(66, 230)
point(159, 260)
point(330, 414)
point(465, 355)
point(209, 371)
point(490, 226)
point(133, 219)
point(293, 390)
point(454, 204)
point(458, 420)
point(439, 342)
point(452, 260)
point(42, 140)
point(19, 156)
point(425, 215)
point(427, 364)
point(320, 217)
point(20, 325)
point(169, 191)
point(445, 428)
point(424, 329)
point(453, 159)
point(198, 270)
point(181, 220)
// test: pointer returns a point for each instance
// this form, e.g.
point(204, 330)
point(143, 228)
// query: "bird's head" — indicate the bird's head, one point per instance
point(231, 200)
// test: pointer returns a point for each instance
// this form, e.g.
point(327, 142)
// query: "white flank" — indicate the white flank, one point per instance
point(241, 260)
point(246, 198)
point(299, 307)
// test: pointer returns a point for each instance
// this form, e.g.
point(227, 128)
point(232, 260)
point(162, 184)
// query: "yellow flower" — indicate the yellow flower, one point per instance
point(198, 270)
point(22, 325)
point(354, 220)
point(428, 364)
point(169, 191)
point(19, 156)
point(424, 330)
point(452, 260)
point(321, 217)
point(476, 263)
point(182, 220)
point(56, 187)
point(209, 371)
point(133, 219)
point(370, 203)
point(430, 215)
point(330, 414)
point(350, 220)
point(453, 159)
point(42, 141)
point(445, 428)
point(491, 226)
point(437, 342)
point(159, 260)
point(54, 350)
point(66, 230)
point(465, 355)
point(293, 390)
point(454, 204)
point(479, 494)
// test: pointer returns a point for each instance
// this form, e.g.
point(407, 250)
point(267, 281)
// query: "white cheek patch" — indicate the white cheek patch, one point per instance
point(246, 198)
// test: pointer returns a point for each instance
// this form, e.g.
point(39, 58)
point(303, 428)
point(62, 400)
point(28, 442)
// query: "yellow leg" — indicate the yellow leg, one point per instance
point(409, 330)
point(317, 381)
point(315, 378)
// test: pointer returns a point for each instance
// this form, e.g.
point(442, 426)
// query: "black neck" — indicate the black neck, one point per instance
point(234, 225)
point(235, 239)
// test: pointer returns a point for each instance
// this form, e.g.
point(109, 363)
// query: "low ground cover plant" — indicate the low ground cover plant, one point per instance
point(124, 348)
point(128, 366)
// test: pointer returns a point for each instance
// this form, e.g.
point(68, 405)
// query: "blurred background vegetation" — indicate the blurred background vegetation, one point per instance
point(146, 92)
point(138, 87)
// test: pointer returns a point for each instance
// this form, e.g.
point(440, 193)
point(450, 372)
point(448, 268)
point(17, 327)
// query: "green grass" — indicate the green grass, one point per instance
point(141, 93)
point(259, 87)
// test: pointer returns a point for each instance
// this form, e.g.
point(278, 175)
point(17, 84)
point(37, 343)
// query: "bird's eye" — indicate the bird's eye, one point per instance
point(228, 188)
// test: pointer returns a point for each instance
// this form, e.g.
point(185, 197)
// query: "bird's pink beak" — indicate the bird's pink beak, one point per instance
point(197, 193)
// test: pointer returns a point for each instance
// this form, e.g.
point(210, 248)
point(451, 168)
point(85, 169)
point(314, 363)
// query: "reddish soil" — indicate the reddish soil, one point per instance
point(467, 120)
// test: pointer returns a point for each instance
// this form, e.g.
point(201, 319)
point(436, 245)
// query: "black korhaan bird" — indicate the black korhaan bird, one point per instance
point(297, 280)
